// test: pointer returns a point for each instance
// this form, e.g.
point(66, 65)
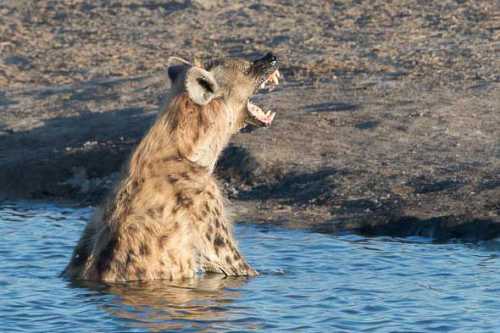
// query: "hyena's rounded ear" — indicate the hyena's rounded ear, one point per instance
point(176, 66)
point(201, 85)
point(175, 71)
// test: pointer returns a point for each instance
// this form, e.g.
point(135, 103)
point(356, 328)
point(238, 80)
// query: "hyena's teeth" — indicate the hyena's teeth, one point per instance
point(269, 119)
point(274, 78)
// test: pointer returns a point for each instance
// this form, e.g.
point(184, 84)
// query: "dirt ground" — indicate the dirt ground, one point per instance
point(388, 120)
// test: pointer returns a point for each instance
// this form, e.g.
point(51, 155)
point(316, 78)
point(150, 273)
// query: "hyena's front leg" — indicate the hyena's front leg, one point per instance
point(224, 256)
point(229, 260)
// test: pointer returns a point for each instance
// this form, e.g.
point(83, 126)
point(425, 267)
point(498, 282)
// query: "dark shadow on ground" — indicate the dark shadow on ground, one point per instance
point(332, 107)
point(439, 229)
point(70, 157)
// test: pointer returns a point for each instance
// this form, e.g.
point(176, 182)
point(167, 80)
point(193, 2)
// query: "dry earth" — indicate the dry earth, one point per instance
point(388, 120)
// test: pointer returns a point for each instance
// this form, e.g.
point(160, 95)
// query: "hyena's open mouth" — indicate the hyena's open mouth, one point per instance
point(267, 75)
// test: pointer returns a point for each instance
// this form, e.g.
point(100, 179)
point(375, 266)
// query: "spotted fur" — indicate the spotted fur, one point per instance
point(166, 217)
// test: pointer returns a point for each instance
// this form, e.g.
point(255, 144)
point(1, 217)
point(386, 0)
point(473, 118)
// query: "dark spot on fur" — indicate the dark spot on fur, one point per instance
point(162, 241)
point(228, 259)
point(210, 229)
point(148, 229)
point(216, 211)
point(175, 121)
point(172, 179)
point(130, 258)
point(185, 175)
point(121, 270)
point(170, 158)
point(144, 249)
point(200, 118)
point(197, 169)
point(183, 201)
point(207, 209)
point(179, 155)
point(198, 217)
point(209, 237)
point(106, 255)
point(217, 224)
point(236, 256)
point(140, 272)
point(81, 255)
point(219, 241)
point(196, 136)
point(155, 212)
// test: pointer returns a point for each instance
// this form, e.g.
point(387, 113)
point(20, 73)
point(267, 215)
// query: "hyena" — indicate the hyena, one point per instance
point(165, 219)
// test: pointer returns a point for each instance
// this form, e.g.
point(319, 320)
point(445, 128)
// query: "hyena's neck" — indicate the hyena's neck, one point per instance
point(183, 132)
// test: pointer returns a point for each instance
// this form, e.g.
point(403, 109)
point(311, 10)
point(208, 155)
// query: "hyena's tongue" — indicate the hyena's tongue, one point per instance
point(259, 117)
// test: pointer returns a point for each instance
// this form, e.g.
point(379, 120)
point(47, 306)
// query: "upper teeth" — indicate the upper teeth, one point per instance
point(274, 78)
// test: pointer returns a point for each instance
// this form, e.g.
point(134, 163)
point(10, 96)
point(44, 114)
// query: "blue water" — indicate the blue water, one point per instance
point(311, 283)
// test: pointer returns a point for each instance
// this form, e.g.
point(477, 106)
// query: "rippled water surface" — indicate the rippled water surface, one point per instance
point(310, 283)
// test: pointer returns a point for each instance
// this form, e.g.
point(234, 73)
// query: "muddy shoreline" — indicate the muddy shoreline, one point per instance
point(388, 121)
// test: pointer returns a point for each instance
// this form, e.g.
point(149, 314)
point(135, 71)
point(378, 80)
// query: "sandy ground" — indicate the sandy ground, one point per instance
point(388, 119)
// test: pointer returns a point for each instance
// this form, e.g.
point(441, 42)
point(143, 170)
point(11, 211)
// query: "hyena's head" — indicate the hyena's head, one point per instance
point(231, 81)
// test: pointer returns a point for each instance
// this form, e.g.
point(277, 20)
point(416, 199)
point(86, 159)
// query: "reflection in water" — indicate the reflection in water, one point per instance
point(164, 305)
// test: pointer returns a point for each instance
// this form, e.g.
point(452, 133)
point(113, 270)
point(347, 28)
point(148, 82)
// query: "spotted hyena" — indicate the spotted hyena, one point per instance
point(165, 219)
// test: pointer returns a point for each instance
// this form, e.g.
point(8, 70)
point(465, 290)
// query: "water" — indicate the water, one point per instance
point(310, 283)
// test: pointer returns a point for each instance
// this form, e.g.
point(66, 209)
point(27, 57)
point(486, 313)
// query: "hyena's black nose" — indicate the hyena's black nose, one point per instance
point(269, 59)
point(266, 64)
